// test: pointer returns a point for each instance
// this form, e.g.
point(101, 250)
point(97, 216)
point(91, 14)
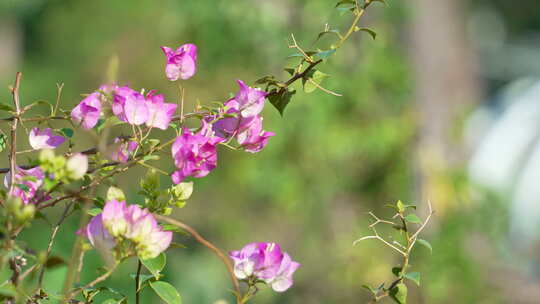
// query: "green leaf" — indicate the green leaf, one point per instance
point(371, 289)
point(3, 142)
point(343, 2)
point(413, 276)
point(399, 293)
point(396, 271)
point(400, 206)
point(325, 54)
point(413, 218)
point(151, 157)
point(7, 108)
point(280, 99)
point(314, 78)
point(67, 132)
point(371, 32)
point(94, 211)
point(425, 244)
point(166, 292)
point(155, 265)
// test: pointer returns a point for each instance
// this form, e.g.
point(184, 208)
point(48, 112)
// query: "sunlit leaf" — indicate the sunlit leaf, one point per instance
point(413, 276)
point(166, 292)
point(155, 265)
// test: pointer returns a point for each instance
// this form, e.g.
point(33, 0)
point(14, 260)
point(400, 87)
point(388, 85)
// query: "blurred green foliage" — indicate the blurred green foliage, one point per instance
point(333, 159)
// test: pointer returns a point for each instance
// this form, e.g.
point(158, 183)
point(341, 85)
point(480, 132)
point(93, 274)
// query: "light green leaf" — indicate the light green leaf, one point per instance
point(399, 293)
point(3, 142)
point(316, 78)
point(413, 276)
point(425, 243)
point(400, 206)
point(166, 292)
point(94, 211)
point(413, 218)
point(155, 265)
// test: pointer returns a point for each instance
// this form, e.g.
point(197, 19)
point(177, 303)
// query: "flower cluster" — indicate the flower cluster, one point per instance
point(127, 227)
point(265, 262)
point(122, 150)
point(128, 105)
point(195, 154)
point(181, 63)
point(243, 120)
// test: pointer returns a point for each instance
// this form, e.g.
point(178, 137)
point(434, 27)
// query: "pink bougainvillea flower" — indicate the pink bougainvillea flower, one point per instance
point(122, 150)
point(88, 111)
point(265, 261)
point(129, 105)
point(98, 235)
point(253, 139)
point(44, 139)
point(27, 185)
point(159, 112)
point(121, 223)
point(181, 63)
point(230, 126)
point(283, 279)
point(247, 130)
point(250, 100)
point(195, 154)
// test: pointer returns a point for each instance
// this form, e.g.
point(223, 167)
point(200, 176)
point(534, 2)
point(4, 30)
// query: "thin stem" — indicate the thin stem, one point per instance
point(13, 147)
point(51, 241)
point(210, 246)
point(138, 282)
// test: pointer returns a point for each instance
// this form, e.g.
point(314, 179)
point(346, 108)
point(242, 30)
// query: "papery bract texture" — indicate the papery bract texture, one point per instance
point(266, 262)
point(132, 224)
point(88, 111)
point(182, 63)
point(44, 139)
point(195, 154)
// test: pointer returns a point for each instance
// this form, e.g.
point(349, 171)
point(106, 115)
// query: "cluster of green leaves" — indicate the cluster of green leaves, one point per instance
point(280, 93)
point(160, 200)
point(402, 221)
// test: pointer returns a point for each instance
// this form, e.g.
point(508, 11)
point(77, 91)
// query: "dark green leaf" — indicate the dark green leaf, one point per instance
point(396, 271)
point(399, 293)
point(413, 276)
point(425, 243)
point(371, 32)
point(166, 292)
point(155, 265)
point(280, 99)
point(54, 261)
point(7, 108)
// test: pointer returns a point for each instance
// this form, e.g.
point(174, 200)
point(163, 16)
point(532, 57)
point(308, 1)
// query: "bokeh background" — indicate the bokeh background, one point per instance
point(444, 105)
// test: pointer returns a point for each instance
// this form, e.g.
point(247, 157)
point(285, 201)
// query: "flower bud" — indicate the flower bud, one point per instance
point(115, 194)
point(27, 213)
point(77, 165)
